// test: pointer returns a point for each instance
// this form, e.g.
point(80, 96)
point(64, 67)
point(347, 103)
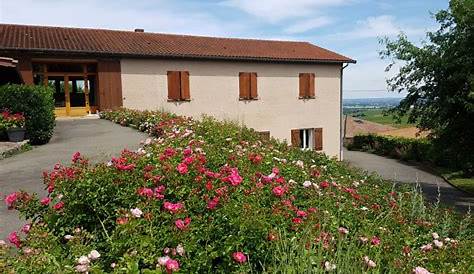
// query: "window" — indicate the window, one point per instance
point(307, 89)
point(178, 86)
point(310, 138)
point(248, 86)
point(265, 135)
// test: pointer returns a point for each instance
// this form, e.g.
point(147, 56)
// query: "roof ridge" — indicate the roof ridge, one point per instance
point(158, 33)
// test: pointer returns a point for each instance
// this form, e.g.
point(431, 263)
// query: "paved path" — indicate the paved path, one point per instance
point(96, 139)
point(398, 171)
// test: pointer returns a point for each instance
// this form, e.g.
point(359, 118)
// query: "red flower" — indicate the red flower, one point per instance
point(301, 213)
point(182, 224)
point(173, 208)
point(122, 220)
point(375, 240)
point(76, 157)
point(14, 239)
point(324, 185)
point(297, 221)
point(182, 168)
point(45, 201)
point(239, 257)
point(58, 206)
point(10, 199)
point(144, 191)
point(213, 203)
point(278, 191)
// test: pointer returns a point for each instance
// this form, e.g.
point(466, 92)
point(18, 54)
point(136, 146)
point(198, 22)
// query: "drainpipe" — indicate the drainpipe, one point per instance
point(342, 129)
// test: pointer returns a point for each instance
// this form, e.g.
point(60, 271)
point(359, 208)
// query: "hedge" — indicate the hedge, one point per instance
point(37, 104)
point(420, 150)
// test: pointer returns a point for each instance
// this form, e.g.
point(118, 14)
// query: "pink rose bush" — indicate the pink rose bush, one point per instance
point(212, 197)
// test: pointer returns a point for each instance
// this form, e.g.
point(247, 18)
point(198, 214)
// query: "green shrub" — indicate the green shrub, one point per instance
point(254, 206)
point(397, 147)
point(37, 104)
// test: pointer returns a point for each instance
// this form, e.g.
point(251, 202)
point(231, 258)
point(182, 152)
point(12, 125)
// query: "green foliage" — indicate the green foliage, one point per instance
point(37, 105)
point(439, 79)
point(381, 116)
point(420, 150)
point(294, 231)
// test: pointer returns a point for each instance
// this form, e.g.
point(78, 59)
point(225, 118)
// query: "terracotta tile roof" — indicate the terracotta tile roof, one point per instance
point(144, 44)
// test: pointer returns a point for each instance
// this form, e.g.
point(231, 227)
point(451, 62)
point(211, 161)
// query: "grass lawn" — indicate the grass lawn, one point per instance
point(377, 116)
point(460, 181)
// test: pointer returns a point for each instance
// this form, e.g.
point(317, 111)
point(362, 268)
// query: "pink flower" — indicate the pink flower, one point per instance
point(343, 230)
point(426, 248)
point(173, 208)
point(144, 191)
point(188, 160)
point(438, 244)
point(182, 224)
point(187, 151)
point(59, 205)
point(26, 228)
point(14, 239)
point(11, 198)
point(172, 265)
point(375, 240)
point(182, 168)
point(234, 178)
point(239, 257)
point(76, 156)
point(278, 191)
point(162, 260)
point(213, 203)
point(297, 221)
point(301, 213)
point(45, 201)
point(420, 270)
point(169, 152)
point(275, 171)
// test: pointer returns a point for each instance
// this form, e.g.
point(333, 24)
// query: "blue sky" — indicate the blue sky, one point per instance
point(349, 27)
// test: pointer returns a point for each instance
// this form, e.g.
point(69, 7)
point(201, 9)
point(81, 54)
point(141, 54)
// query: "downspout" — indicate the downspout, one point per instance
point(342, 128)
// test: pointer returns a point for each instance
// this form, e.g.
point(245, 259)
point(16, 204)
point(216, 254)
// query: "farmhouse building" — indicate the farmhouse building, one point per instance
point(287, 90)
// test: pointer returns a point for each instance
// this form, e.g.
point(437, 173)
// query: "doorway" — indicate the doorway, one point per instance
point(74, 86)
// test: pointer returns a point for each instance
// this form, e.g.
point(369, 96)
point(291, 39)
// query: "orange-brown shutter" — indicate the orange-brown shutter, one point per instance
point(295, 138)
point(174, 85)
point(185, 94)
point(311, 87)
point(318, 139)
point(303, 85)
point(253, 85)
point(244, 85)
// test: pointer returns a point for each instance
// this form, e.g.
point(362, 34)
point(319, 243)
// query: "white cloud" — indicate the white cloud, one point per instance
point(378, 26)
point(158, 16)
point(277, 10)
point(309, 24)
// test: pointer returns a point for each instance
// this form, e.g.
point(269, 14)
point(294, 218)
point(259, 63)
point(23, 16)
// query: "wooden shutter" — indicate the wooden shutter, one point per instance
point(253, 85)
point(311, 87)
point(318, 139)
point(295, 138)
point(244, 85)
point(174, 85)
point(304, 85)
point(109, 84)
point(185, 95)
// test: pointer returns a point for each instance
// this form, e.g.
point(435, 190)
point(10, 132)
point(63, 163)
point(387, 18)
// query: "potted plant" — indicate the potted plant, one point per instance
point(14, 125)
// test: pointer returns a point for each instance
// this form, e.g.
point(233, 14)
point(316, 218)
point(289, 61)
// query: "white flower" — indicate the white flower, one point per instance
point(435, 235)
point(307, 184)
point(364, 208)
point(291, 181)
point(355, 184)
point(163, 260)
point(148, 141)
point(68, 237)
point(369, 262)
point(300, 164)
point(2, 242)
point(180, 250)
point(420, 270)
point(438, 244)
point(329, 266)
point(94, 255)
point(136, 212)
point(83, 260)
point(109, 163)
point(81, 268)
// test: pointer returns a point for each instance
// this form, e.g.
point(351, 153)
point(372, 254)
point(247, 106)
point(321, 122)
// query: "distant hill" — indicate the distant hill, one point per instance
point(371, 102)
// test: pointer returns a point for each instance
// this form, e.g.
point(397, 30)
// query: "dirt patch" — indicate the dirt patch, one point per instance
point(409, 132)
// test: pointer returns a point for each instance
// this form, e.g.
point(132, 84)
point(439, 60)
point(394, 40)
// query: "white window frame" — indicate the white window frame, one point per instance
point(307, 136)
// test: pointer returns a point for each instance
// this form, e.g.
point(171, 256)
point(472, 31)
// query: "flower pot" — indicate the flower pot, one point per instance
point(16, 134)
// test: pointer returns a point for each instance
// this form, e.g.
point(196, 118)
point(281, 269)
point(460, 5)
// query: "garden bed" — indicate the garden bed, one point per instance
point(206, 196)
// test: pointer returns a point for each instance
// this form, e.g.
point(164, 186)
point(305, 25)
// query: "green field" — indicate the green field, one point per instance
point(378, 116)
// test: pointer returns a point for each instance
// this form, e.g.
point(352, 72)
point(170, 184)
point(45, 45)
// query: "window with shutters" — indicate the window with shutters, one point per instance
point(308, 138)
point(178, 86)
point(248, 86)
point(307, 87)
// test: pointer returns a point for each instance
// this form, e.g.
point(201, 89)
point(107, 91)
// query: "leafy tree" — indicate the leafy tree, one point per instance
point(439, 78)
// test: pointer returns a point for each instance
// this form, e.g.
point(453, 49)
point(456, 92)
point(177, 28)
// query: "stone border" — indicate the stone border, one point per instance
point(8, 149)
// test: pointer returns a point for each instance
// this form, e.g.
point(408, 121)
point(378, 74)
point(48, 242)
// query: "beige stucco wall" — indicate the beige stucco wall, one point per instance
point(214, 88)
